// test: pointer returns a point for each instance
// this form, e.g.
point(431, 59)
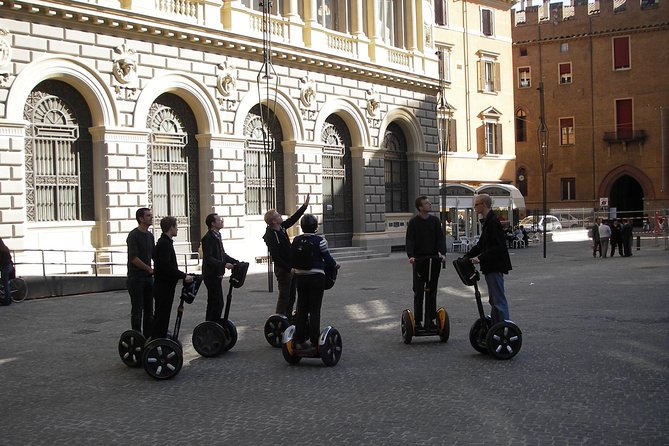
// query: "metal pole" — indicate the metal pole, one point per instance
point(543, 151)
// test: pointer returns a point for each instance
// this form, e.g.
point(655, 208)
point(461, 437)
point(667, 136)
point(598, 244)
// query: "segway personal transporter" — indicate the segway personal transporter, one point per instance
point(275, 326)
point(501, 340)
point(329, 346)
point(213, 338)
point(163, 357)
point(408, 324)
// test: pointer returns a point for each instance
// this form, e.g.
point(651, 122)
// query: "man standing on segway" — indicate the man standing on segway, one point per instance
point(140, 273)
point(276, 239)
point(491, 253)
point(425, 238)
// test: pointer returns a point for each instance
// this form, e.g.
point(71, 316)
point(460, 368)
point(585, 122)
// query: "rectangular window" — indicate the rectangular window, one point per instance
point(493, 138)
point(646, 4)
point(450, 138)
point(524, 77)
point(564, 47)
point(487, 25)
point(489, 76)
point(440, 12)
point(523, 51)
point(621, 53)
point(565, 72)
point(624, 124)
point(568, 189)
point(567, 136)
point(445, 66)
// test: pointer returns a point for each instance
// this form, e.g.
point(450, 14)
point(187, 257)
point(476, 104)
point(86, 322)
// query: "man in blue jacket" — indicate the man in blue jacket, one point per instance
point(491, 253)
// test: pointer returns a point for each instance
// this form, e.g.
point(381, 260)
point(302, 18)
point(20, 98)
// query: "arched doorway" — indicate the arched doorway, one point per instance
point(173, 167)
point(627, 197)
point(337, 224)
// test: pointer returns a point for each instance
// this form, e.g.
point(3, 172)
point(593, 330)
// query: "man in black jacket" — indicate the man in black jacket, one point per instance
point(278, 244)
point(491, 253)
point(214, 262)
point(425, 239)
point(166, 276)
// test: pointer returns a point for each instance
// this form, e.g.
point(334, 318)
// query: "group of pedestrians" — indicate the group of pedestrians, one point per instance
point(614, 232)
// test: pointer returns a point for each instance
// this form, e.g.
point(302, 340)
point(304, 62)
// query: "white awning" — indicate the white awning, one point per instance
point(503, 195)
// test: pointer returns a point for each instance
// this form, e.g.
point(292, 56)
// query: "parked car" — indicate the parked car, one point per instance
point(569, 221)
point(536, 223)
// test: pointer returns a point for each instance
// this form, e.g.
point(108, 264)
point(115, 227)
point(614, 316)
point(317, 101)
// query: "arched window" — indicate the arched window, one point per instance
point(521, 125)
point(263, 162)
point(59, 161)
point(521, 181)
point(173, 165)
point(395, 168)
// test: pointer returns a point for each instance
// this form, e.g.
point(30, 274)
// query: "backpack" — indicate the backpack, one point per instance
point(302, 253)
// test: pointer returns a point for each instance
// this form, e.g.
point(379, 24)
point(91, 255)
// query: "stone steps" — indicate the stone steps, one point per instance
point(350, 253)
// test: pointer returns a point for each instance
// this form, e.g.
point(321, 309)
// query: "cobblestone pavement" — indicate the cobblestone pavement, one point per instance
point(593, 368)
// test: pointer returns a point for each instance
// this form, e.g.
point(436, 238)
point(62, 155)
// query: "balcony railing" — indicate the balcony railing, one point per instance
point(625, 137)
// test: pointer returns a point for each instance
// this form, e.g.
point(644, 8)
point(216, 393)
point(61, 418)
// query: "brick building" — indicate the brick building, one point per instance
point(111, 105)
point(603, 67)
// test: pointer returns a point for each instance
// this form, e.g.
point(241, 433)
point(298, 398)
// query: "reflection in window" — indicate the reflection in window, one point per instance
point(567, 136)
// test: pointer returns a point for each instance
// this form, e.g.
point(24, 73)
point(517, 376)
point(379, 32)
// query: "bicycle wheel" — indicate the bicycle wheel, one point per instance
point(19, 289)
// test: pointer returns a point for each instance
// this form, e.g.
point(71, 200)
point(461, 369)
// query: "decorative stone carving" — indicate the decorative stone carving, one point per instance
point(5, 56)
point(226, 85)
point(125, 72)
point(308, 98)
point(373, 103)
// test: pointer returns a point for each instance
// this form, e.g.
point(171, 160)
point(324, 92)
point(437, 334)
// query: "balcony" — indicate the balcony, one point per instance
point(625, 137)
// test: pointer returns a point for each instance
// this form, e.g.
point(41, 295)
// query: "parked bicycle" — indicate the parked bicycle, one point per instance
point(18, 288)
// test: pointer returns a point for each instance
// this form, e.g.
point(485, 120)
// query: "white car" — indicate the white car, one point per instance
point(536, 223)
point(569, 221)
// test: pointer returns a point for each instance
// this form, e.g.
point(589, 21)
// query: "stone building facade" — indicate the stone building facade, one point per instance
point(107, 106)
point(602, 65)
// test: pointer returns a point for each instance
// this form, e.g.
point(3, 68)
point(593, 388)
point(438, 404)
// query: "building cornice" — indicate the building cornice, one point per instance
point(603, 33)
point(72, 14)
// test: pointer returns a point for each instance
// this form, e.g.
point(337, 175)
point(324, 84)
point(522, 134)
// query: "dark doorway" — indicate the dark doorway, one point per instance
point(627, 198)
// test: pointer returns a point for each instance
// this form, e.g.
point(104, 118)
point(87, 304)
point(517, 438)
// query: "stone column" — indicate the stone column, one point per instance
point(12, 183)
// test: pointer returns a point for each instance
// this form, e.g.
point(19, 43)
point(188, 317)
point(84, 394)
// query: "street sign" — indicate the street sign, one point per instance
point(603, 202)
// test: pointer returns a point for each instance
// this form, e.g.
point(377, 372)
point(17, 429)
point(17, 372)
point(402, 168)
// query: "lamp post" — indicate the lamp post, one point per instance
point(443, 127)
point(542, 134)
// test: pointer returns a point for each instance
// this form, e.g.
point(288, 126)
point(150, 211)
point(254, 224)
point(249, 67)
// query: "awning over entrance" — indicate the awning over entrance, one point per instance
point(503, 195)
point(459, 196)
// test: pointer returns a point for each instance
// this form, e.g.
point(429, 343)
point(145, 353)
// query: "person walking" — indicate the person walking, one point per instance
point(167, 275)
point(628, 235)
point(278, 244)
point(604, 236)
point(310, 277)
point(214, 263)
point(425, 239)
point(596, 243)
point(492, 255)
point(141, 243)
point(6, 268)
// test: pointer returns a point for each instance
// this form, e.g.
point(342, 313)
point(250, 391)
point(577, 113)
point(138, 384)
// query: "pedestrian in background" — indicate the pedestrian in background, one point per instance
point(167, 275)
point(628, 234)
point(6, 268)
point(214, 263)
point(425, 239)
point(140, 273)
point(492, 254)
point(278, 244)
point(604, 236)
point(594, 235)
point(616, 238)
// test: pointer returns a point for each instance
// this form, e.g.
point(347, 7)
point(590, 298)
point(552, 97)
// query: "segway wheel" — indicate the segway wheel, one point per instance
point(229, 335)
point(274, 328)
point(162, 358)
point(208, 339)
point(130, 348)
point(504, 340)
point(330, 349)
point(444, 324)
point(289, 353)
point(477, 334)
point(407, 326)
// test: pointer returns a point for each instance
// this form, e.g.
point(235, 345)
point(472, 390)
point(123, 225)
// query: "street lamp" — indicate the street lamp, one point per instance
point(542, 133)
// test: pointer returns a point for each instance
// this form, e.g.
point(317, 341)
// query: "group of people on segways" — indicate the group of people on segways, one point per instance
point(425, 246)
point(149, 343)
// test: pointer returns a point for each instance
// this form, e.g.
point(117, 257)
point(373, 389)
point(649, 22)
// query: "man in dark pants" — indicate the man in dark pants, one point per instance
point(6, 267)
point(278, 244)
point(167, 275)
point(596, 242)
point(214, 263)
point(310, 286)
point(140, 281)
point(491, 253)
point(628, 235)
point(425, 238)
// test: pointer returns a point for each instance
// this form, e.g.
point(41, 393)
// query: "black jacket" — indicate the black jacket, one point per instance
point(491, 248)
point(277, 240)
point(214, 257)
point(165, 267)
point(425, 237)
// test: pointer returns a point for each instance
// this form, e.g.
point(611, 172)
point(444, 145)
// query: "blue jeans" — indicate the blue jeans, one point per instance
point(497, 299)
